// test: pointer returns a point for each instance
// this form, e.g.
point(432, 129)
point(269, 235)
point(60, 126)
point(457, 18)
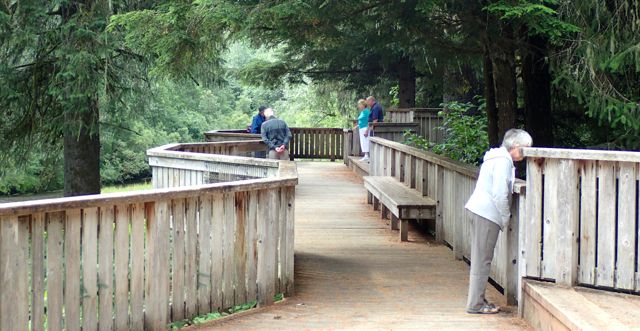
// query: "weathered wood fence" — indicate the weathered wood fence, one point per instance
point(582, 218)
point(428, 121)
point(450, 183)
point(186, 164)
point(306, 143)
point(385, 130)
point(142, 259)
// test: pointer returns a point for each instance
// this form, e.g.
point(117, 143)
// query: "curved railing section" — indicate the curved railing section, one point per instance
point(139, 260)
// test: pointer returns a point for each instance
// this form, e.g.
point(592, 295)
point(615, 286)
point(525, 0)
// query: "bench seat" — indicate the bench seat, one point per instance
point(401, 201)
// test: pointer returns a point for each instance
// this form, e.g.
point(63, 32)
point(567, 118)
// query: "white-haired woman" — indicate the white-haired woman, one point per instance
point(489, 205)
point(363, 128)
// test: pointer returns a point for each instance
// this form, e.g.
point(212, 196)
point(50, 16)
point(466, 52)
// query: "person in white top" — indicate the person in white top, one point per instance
point(489, 205)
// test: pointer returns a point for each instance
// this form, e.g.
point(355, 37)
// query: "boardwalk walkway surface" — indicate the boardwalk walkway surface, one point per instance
point(352, 272)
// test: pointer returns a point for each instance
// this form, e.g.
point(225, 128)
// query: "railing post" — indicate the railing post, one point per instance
point(511, 253)
point(439, 206)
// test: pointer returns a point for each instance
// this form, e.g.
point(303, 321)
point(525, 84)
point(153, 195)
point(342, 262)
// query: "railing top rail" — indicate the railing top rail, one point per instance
point(582, 154)
point(169, 151)
point(394, 124)
point(440, 160)
point(228, 131)
point(401, 110)
point(321, 129)
point(288, 177)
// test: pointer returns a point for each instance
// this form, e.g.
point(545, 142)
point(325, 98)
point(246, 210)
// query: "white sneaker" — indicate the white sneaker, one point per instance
point(365, 158)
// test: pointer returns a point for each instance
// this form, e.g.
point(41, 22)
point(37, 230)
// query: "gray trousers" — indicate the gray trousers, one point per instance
point(278, 156)
point(483, 243)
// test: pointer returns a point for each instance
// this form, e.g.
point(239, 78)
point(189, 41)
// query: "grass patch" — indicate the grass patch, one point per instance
point(200, 319)
point(126, 188)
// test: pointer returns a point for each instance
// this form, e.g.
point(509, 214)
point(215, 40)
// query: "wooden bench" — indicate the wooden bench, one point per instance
point(403, 202)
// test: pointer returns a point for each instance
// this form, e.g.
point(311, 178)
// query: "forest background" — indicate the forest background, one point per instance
point(89, 86)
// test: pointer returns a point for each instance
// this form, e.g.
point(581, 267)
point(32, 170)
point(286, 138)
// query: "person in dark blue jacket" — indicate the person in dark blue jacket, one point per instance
point(375, 115)
point(257, 121)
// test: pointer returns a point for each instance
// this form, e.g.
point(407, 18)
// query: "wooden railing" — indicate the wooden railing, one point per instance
point(316, 143)
point(450, 183)
point(582, 218)
point(306, 143)
point(195, 164)
point(389, 131)
point(142, 259)
point(428, 120)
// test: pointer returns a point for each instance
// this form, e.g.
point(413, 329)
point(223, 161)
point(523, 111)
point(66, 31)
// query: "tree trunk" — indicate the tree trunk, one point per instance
point(537, 92)
point(407, 83)
point(504, 78)
point(82, 151)
point(490, 101)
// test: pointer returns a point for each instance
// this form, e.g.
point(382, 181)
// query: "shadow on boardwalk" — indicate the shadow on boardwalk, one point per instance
point(352, 272)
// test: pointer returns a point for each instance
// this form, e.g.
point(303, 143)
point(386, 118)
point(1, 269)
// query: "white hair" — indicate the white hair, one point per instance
point(515, 138)
point(268, 112)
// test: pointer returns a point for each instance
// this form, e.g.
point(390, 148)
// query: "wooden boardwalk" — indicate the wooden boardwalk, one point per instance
point(352, 272)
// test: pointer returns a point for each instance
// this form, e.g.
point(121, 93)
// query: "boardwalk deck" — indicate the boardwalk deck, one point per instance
point(352, 272)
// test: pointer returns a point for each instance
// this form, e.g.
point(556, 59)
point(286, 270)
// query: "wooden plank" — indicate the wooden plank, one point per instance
point(14, 275)
point(512, 253)
point(567, 212)
point(289, 245)
point(240, 248)
point(138, 230)
point(582, 154)
point(121, 265)
point(251, 242)
point(625, 266)
point(177, 279)
point(72, 301)
point(37, 272)
point(157, 295)
point(217, 262)
point(90, 217)
point(439, 196)
point(266, 220)
point(458, 219)
point(551, 224)
point(588, 212)
point(105, 268)
point(191, 258)
point(55, 271)
point(204, 254)
point(606, 230)
point(228, 251)
point(534, 217)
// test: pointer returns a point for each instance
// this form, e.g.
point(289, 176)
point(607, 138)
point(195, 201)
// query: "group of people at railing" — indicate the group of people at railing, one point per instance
point(370, 112)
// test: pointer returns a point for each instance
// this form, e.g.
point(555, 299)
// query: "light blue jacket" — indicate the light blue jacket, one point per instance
point(491, 198)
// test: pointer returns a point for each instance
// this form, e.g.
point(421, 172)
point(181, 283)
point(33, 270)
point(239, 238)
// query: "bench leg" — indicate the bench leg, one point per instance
point(376, 204)
point(394, 222)
point(384, 212)
point(369, 198)
point(404, 230)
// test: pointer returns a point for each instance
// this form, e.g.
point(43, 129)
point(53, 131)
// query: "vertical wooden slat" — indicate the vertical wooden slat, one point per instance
point(157, 294)
point(625, 267)
point(217, 262)
point(240, 248)
point(251, 241)
point(511, 254)
point(228, 250)
point(105, 268)
point(37, 272)
point(204, 255)
point(122, 267)
point(606, 238)
point(551, 226)
point(567, 211)
point(266, 222)
point(90, 217)
point(534, 217)
point(72, 263)
point(177, 279)
point(289, 234)
point(439, 196)
point(14, 276)
point(136, 318)
point(588, 222)
point(55, 271)
point(191, 267)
